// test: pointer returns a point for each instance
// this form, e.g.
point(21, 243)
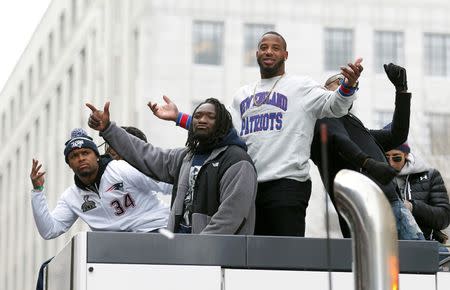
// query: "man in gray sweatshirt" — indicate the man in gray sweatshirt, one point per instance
point(214, 178)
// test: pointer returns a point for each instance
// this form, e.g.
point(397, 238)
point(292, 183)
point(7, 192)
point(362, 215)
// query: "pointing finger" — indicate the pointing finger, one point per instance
point(92, 107)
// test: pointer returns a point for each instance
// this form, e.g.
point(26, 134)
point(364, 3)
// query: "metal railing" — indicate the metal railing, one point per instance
point(369, 215)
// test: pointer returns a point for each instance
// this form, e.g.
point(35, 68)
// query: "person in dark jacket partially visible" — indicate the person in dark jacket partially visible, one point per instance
point(352, 146)
point(214, 178)
point(423, 191)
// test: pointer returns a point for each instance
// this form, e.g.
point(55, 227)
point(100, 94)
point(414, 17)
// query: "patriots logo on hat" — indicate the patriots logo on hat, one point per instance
point(77, 144)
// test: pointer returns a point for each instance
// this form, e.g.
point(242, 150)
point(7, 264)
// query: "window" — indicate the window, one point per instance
point(74, 12)
point(37, 136)
point(117, 76)
point(4, 126)
point(338, 48)
point(21, 97)
point(12, 114)
point(194, 104)
point(439, 127)
point(70, 86)
point(136, 38)
point(83, 67)
point(437, 54)
point(30, 82)
point(59, 102)
point(62, 29)
point(27, 147)
point(47, 116)
point(252, 34)
point(208, 42)
point(50, 49)
point(40, 64)
point(388, 48)
point(382, 118)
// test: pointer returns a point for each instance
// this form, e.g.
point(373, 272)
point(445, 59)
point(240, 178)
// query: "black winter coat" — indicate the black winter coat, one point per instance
point(429, 197)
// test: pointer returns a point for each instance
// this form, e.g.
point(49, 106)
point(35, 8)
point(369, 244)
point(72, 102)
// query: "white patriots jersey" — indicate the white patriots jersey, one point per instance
point(126, 201)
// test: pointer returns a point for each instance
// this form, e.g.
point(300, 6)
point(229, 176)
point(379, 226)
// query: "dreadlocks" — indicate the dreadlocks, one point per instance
point(222, 126)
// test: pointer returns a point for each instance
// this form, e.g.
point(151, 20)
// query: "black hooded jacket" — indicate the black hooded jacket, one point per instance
point(425, 189)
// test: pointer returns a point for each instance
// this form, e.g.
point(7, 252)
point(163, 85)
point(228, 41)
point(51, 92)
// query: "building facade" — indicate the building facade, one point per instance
point(134, 51)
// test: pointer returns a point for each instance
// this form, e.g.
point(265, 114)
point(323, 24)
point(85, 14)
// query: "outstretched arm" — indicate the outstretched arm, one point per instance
point(169, 112)
point(157, 163)
point(324, 103)
point(398, 132)
point(49, 225)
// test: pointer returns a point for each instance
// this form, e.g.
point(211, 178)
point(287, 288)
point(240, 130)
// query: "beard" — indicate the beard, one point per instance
point(85, 172)
point(202, 137)
point(271, 71)
point(205, 141)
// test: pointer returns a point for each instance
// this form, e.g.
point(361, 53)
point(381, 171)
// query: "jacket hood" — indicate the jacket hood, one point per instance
point(232, 138)
point(102, 163)
point(414, 164)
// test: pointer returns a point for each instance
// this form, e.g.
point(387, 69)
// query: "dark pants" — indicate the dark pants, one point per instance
point(281, 207)
point(40, 281)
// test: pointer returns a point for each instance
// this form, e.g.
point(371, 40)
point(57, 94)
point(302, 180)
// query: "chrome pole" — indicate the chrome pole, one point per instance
point(369, 215)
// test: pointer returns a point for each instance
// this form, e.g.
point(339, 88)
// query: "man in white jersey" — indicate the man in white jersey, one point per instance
point(275, 116)
point(109, 195)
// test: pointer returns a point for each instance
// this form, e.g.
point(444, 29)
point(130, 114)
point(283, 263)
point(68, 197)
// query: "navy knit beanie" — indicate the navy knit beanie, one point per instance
point(404, 148)
point(79, 139)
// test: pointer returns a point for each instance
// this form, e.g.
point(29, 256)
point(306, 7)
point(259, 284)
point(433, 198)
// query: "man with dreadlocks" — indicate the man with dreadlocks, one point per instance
point(214, 178)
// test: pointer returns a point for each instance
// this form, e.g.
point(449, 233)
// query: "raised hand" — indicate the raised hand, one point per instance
point(168, 111)
point(99, 120)
point(37, 177)
point(397, 76)
point(352, 72)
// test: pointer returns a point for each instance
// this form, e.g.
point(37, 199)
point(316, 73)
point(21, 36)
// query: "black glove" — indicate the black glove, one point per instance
point(397, 76)
point(380, 171)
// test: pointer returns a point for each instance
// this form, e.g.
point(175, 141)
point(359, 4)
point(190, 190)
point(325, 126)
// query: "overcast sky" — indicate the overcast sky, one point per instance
point(18, 20)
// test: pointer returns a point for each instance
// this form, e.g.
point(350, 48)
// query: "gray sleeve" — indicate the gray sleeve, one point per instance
point(160, 164)
point(237, 196)
point(323, 103)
